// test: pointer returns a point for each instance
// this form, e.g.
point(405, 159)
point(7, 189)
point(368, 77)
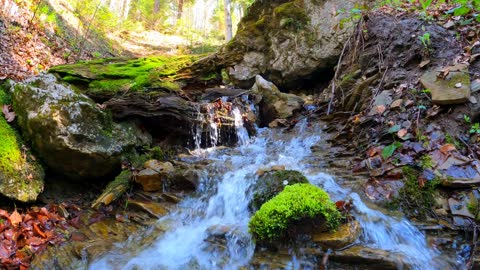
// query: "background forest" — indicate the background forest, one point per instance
point(37, 34)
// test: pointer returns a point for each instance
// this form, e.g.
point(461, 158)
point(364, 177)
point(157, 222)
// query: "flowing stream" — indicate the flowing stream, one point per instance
point(221, 204)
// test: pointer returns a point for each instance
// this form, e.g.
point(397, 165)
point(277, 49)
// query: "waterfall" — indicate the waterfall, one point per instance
point(221, 204)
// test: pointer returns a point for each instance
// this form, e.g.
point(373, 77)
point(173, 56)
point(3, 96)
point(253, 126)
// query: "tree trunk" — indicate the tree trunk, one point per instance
point(180, 9)
point(156, 6)
point(126, 9)
point(228, 21)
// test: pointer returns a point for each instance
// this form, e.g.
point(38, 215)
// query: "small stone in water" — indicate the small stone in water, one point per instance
point(458, 85)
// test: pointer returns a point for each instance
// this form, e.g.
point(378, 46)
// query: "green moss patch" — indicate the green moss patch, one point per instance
point(20, 179)
point(293, 205)
point(417, 197)
point(291, 15)
point(10, 156)
point(109, 77)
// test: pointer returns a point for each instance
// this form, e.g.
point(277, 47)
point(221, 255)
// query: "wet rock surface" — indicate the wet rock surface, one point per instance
point(368, 258)
point(345, 235)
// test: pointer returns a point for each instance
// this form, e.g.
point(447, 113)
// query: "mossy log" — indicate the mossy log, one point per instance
point(114, 189)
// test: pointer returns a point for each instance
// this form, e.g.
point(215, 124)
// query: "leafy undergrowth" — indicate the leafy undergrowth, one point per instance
point(24, 234)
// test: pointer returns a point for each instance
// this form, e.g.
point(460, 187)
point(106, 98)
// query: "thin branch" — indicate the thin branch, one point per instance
point(37, 7)
point(88, 28)
point(335, 76)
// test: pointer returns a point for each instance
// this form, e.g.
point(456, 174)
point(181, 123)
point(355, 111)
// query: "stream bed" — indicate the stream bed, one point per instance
point(209, 229)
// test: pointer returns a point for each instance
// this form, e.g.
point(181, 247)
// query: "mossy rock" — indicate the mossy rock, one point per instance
point(21, 177)
point(296, 205)
point(71, 135)
point(105, 78)
point(291, 15)
point(273, 182)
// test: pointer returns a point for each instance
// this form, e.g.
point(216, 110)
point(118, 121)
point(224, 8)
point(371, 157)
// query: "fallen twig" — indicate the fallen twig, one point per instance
point(335, 76)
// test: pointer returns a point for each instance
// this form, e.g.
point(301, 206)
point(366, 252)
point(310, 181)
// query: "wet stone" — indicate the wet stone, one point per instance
point(150, 180)
point(367, 257)
point(453, 89)
point(153, 208)
point(475, 86)
point(344, 236)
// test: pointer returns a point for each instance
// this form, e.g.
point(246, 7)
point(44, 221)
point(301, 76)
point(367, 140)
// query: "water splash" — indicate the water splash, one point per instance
point(241, 131)
point(222, 202)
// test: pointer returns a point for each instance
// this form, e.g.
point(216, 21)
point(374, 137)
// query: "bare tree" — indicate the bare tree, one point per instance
point(228, 21)
point(180, 9)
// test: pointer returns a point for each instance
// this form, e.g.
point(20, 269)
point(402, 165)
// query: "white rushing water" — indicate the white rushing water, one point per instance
point(221, 203)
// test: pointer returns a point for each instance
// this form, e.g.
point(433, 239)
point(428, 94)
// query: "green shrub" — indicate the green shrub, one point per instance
point(294, 204)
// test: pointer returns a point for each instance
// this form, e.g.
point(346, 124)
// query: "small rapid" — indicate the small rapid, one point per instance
point(221, 204)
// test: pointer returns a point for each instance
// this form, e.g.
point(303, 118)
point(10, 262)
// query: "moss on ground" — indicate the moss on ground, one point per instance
point(295, 203)
point(415, 199)
point(109, 77)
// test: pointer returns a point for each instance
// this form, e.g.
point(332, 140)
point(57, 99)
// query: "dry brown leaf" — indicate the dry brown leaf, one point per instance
point(380, 109)
point(402, 132)
point(447, 148)
point(15, 218)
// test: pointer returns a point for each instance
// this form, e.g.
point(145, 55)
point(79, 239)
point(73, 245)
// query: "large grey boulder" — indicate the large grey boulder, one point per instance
point(72, 135)
point(288, 40)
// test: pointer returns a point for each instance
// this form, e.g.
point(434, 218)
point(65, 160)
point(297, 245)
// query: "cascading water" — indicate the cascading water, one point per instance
point(221, 204)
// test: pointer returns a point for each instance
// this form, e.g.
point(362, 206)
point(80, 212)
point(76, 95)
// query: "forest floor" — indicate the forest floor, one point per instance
point(29, 44)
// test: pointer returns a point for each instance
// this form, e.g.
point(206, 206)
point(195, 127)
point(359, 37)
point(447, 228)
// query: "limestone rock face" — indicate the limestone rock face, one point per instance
point(69, 132)
point(453, 89)
point(285, 40)
point(275, 104)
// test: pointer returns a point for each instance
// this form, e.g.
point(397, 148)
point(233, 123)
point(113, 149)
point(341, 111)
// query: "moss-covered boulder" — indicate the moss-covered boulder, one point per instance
point(72, 135)
point(296, 205)
point(271, 183)
point(21, 177)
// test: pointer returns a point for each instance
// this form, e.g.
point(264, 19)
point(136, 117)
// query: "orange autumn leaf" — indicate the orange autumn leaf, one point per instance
point(15, 218)
point(38, 231)
point(447, 148)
